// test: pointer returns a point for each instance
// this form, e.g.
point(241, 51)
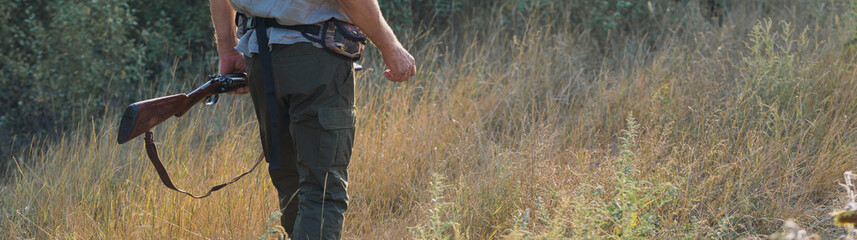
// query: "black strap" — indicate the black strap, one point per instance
point(270, 97)
point(316, 33)
point(152, 152)
point(242, 19)
point(257, 23)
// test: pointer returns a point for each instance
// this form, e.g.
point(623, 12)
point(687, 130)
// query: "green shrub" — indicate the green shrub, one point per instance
point(598, 16)
point(773, 62)
point(65, 60)
point(172, 29)
point(408, 14)
point(607, 15)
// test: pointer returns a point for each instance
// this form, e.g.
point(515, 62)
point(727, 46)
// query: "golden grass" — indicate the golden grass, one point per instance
point(512, 134)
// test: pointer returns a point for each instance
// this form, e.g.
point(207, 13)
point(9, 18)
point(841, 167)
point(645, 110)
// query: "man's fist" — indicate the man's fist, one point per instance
point(400, 63)
point(232, 61)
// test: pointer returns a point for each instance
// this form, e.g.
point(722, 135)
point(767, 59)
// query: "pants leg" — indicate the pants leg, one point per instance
point(315, 95)
point(284, 174)
point(286, 181)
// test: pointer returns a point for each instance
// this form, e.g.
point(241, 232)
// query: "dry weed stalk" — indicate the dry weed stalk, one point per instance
point(848, 217)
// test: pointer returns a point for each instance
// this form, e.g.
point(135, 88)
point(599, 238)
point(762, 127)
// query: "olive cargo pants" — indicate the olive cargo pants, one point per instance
point(314, 93)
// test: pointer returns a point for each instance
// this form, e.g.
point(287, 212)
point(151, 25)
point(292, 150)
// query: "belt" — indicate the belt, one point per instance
point(253, 23)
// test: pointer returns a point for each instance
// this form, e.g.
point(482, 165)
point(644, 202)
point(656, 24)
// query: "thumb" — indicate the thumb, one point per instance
point(388, 74)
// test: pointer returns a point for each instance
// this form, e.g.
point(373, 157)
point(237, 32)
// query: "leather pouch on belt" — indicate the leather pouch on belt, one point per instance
point(341, 38)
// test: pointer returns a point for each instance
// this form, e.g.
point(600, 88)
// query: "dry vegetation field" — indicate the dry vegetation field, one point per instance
point(513, 129)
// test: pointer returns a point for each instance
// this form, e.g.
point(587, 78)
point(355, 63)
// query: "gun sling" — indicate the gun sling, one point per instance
point(152, 152)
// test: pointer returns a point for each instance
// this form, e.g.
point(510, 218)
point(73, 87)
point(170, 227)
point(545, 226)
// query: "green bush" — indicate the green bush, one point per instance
point(66, 60)
point(408, 14)
point(599, 16)
point(172, 29)
point(607, 15)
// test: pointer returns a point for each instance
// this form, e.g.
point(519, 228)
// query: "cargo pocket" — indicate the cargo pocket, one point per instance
point(339, 123)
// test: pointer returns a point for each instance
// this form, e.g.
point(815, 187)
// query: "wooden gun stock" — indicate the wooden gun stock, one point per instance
point(144, 115)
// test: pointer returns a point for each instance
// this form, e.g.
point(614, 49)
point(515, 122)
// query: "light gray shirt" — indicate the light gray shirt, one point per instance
point(287, 12)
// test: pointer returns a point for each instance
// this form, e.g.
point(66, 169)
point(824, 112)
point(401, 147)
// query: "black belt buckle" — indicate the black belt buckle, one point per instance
point(241, 20)
point(251, 22)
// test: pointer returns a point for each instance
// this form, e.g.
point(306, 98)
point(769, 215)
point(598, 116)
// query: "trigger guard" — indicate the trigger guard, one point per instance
point(211, 100)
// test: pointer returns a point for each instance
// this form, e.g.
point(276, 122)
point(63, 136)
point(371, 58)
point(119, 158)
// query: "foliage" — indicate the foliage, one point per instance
point(65, 60)
point(629, 212)
point(173, 33)
point(633, 209)
point(607, 15)
point(600, 16)
point(438, 227)
point(772, 65)
point(274, 231)
point(408, 14)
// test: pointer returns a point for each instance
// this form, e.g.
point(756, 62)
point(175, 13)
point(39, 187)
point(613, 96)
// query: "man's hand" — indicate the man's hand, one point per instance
point(400, 63)
point(232, 61)
point(367, 16)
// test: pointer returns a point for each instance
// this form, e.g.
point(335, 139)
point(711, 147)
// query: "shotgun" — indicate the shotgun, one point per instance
point(141, 116)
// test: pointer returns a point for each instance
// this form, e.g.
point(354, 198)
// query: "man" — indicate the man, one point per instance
point(306, 115)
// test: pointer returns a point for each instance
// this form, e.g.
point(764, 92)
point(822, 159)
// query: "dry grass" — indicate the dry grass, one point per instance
point(535, 132)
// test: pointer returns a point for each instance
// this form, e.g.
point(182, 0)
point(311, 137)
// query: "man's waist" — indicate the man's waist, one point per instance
point(246, 22)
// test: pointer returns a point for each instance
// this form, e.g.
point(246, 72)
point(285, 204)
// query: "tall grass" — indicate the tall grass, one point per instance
point(536, 132)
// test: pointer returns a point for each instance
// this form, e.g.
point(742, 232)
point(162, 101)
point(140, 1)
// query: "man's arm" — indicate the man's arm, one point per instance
point(231, 60)
point(367, 16)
